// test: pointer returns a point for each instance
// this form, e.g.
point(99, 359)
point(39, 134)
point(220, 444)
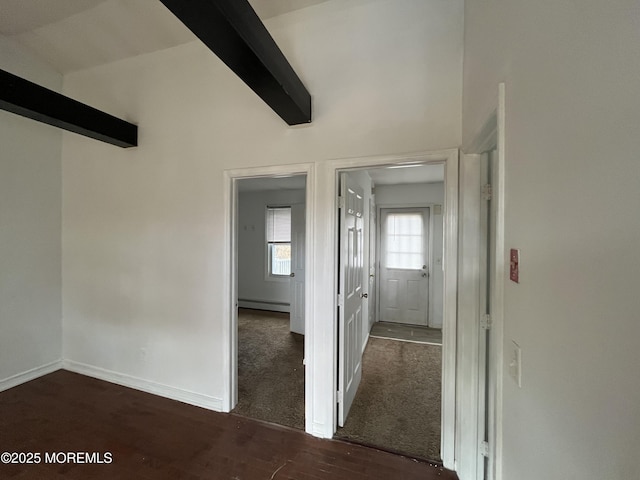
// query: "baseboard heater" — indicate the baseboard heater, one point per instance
point(264, 305)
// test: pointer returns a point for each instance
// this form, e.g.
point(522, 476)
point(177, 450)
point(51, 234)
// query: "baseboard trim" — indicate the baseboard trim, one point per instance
point(179, 394)
point(320, 430)
point(365, 343)
point(271, 307)
point(23, 377)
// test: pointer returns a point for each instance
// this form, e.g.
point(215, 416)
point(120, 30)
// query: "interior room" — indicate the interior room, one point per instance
point(126, 128)
point(270, 245)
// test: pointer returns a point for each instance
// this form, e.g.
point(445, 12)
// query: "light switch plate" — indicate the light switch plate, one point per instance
point(515, 363)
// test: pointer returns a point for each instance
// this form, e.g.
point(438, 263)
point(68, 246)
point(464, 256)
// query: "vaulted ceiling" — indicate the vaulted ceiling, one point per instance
point(72, 35)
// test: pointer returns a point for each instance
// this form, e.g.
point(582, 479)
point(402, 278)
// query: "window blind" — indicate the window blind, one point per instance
point(278, 224)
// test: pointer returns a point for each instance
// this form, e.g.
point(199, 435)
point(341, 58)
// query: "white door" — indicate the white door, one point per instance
point(296, 321)
point(350, 294)
point(404, 265)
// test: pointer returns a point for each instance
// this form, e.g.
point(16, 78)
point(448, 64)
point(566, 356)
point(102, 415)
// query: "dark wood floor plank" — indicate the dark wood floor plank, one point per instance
point(152, 438)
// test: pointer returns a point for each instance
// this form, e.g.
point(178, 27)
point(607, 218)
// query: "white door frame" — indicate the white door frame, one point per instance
point(491, 136)
point(326, 253)
point(230, 286)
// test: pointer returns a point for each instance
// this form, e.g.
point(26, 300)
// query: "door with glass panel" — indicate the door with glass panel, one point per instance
point(404, 265)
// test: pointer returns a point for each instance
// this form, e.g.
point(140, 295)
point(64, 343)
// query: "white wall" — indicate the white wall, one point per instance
point(423, 194)
point(254, 285)
point(572, 195)
point(142, 231)
point(30, 232)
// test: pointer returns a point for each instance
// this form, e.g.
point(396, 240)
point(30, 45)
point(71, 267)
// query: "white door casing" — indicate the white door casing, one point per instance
point(230, 287)
point(487, 236)
point(481, 281)
point(296, 281)
point(327, 268)
point(404, 265)
point(372, 263)
point(350, 293)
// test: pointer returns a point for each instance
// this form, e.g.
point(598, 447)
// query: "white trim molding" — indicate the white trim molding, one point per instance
point(31, 374)
point(230, 370)
point(264, 305)
point(497, 294)
point(469, 306)
point(470, 415)
point(144, 385)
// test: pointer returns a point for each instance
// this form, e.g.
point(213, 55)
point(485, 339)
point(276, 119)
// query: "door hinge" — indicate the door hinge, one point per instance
point(340, 300)
point(339, 396)
point(484, 448)
point(485, 321)
point(340, 202)
point(487, 192)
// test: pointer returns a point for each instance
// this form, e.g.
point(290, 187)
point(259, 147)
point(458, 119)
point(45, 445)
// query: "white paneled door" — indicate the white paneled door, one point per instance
point(404, 265)
point(351, 294)
point(297, 268)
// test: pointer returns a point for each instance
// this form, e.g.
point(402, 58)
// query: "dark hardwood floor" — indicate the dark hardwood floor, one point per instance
point(150, 437)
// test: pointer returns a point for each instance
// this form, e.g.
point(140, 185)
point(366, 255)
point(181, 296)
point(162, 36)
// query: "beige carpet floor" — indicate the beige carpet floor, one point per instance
point(397, 406)
point(270, 370)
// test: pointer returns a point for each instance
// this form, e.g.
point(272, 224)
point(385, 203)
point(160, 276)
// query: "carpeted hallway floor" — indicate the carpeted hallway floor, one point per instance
point(270, 370)
point(408, 333)
point(397, 406)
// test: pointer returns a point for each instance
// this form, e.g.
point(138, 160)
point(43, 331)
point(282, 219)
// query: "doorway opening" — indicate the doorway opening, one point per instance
point(322, 338)
point(270, 251)
point(391, 291)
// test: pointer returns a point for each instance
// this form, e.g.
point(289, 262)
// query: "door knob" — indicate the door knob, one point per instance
point(364, 295)
point(424, 274)
point(292, 274)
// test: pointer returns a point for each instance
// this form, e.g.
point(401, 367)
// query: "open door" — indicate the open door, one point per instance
point(350, 293)
point(297, 268)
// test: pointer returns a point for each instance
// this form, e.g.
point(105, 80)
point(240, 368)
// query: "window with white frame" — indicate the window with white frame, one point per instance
point(279, 241)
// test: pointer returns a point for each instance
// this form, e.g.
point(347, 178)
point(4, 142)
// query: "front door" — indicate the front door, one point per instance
point(350, 293)
point(404, 265)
